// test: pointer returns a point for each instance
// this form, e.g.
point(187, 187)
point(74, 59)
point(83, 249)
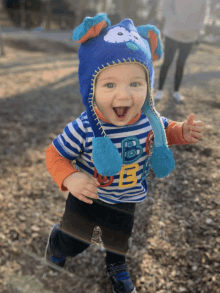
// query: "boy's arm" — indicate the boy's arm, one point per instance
point(174, 133)
point(58, 166)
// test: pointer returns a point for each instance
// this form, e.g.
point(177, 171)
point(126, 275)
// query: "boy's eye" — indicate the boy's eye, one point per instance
point(134, 84)
point(109, 85)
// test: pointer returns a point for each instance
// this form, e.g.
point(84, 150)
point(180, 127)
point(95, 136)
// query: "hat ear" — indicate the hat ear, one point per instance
point(91, 27)
point(152, 35)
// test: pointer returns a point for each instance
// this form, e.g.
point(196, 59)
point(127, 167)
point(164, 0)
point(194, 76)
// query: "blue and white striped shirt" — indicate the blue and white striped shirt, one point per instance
point(129, 185)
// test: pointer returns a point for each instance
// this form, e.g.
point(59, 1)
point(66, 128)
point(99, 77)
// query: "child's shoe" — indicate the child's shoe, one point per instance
point(120, 278)
point(52, 256)
point(178, 97)
point(158, 95)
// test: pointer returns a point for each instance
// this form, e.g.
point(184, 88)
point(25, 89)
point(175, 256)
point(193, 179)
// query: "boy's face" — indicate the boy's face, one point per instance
point(120, 92)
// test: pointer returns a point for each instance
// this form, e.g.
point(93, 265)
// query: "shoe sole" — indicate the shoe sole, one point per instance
point(46, 256)
point(158, 98)
point(113, 291)
point(179, 101)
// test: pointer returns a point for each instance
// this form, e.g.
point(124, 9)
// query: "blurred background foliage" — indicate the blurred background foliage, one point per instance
point(67, 14)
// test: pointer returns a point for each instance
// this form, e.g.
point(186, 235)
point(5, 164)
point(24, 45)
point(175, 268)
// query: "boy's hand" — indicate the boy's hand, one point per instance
point(82, 186)
point(192, 130)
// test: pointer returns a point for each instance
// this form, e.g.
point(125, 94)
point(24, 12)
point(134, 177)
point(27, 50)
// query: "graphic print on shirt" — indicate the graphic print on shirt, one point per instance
point(149, 140)
point(131, 152)
point(103, 180)
point(129, 173)
point(146, 168)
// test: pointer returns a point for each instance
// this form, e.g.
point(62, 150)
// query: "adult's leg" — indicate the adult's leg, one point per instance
point(116, 224)
point(170, 47)
point(76, 228)
point(184, 50)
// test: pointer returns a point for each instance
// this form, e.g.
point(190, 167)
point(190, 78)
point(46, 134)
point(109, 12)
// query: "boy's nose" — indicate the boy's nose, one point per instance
point(123, 94)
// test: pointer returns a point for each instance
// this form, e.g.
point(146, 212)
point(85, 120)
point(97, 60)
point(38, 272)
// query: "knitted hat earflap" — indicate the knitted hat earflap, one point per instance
point(161, 160)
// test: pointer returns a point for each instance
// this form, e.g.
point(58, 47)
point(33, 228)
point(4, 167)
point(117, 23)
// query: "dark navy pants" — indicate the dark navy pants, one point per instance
point(170, 48)
point(79, 220)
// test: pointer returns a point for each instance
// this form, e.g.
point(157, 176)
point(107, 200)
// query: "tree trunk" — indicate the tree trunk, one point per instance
point(23, 14)
point(119, 8)
point(127, 9)
point(78, 7)
point(2, 43)
point(153, 12)
point(105, 5)
point(48, 15)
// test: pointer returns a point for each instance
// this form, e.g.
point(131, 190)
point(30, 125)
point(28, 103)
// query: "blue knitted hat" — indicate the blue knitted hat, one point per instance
point(103, 46)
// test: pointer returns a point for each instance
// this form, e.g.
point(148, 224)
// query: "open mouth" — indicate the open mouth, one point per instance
point(121, 111)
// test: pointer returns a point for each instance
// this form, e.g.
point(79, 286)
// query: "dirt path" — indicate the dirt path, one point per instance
point(175, 243)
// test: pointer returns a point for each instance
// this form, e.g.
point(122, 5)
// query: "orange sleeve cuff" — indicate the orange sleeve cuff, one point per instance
point(58, 166)
point(174, 133)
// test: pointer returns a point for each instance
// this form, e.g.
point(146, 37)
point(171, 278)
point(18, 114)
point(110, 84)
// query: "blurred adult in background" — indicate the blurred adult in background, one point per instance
point(183, 23)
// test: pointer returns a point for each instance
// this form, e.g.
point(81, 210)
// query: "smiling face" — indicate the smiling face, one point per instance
point(120, 92)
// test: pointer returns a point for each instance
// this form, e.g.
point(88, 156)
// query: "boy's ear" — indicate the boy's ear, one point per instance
point(90, 27)
point(152, 35)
